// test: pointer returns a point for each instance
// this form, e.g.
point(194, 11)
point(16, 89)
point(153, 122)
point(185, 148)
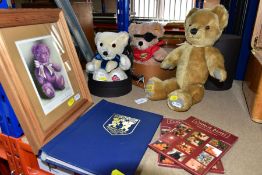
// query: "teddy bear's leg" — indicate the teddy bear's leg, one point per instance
point(197, 92)
point(48, 90)
point(59, 82)
point(157, 89)
point(183, 99)
point(101, 75)
point(117, 75)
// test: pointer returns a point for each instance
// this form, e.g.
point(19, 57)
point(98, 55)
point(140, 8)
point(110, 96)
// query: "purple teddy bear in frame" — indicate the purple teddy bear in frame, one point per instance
point(46, 72)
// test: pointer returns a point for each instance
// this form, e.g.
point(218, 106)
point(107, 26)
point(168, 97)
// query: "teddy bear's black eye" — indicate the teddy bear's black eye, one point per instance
point(190, 25)
point(207, 27)
point(114, 45)
point(101, 44)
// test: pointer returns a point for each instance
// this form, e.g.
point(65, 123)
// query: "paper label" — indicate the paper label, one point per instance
point(77, 97)
point(102, 79)
point(149, 87)
point(71, 101)
point(117, 172)
point(176, 104)
point(101, 76)
point(141, 100)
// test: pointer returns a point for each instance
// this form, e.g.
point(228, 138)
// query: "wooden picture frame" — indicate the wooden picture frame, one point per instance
point(41, 73)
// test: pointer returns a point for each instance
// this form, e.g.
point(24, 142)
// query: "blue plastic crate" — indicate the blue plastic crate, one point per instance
point(8, 120)
point(3, 4)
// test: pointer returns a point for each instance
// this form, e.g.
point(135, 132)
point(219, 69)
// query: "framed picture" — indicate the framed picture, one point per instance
point(41, 73)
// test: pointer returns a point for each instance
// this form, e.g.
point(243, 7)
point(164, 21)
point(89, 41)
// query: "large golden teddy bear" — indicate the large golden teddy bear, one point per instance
point(194, 60)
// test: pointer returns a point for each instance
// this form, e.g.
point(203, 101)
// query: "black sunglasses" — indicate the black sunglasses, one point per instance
point(147, 36)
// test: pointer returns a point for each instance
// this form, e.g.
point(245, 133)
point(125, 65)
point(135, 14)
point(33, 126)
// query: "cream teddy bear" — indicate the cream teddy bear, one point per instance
point(110, 63)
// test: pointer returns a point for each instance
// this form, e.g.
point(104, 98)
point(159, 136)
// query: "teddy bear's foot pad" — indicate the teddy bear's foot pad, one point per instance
point(155, 90)
point(48, 90)
point(179, 101)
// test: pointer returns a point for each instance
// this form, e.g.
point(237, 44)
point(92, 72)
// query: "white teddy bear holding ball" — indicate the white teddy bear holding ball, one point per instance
point(110, 63)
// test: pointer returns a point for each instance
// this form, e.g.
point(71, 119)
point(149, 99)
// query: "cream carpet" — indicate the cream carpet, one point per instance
point(224, 109)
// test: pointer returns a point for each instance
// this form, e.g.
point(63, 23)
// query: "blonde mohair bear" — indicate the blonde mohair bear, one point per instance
point(194, 60)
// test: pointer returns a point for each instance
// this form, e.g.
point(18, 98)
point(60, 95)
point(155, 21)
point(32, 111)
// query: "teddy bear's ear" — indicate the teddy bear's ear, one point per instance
point(222, 14)
point(97, 36)
point(193, 10)
point(158, 29)
point(123, 37)
point(131, 28)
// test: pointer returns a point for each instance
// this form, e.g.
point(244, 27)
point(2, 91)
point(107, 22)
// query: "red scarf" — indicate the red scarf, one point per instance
point(145, 55)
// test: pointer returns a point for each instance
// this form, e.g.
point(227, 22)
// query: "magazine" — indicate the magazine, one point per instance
point(194, 145)
point(168, 124)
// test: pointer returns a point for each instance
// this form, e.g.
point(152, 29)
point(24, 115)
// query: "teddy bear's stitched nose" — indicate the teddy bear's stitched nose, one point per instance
point(140, 43)
point(105, 53)
point(193, 31)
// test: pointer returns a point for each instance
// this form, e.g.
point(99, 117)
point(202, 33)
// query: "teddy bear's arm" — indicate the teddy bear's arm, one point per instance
point(172, 58)
point(125, 63)
point(56, 67)
point(215, 63)
point(111, 65)
point(93, 65)
point(39, 78)
point(160, 54)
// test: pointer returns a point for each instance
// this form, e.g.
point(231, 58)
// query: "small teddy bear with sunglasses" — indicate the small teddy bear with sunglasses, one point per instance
point(145, 40)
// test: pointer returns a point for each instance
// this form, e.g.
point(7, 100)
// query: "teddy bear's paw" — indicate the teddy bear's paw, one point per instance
point(90, 67)
point(125, 63)
point(155, 89)
point(220, 74)
point(60, 83)
point(166, 64)
point(160, 55)
point(101, 75)
point(48, 90)
point(111, 65)
point(179, 100)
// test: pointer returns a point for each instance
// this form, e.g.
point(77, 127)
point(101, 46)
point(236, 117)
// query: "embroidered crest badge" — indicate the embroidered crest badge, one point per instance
point(119, 124)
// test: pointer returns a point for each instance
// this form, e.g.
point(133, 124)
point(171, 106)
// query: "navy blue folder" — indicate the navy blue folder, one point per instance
point(108, 137)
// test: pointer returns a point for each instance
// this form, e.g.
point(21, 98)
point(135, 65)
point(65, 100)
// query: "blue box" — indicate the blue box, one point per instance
point(8, 120)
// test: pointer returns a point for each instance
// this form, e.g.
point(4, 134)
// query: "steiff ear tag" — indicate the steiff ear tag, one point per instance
point(117, 172)
point(173, 98)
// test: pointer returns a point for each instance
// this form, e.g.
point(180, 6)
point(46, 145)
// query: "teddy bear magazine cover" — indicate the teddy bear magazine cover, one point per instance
point(200, 145)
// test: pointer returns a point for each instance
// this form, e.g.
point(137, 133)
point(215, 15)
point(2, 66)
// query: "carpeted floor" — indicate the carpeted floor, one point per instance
point(224, 109)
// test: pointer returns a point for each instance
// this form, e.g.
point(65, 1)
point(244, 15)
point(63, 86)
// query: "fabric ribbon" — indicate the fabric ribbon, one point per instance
point(42, 66)
point(104, 62)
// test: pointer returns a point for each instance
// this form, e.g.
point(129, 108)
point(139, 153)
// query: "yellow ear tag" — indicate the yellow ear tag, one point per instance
point(117, 172)
point(173, 98)
point(71, 101)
